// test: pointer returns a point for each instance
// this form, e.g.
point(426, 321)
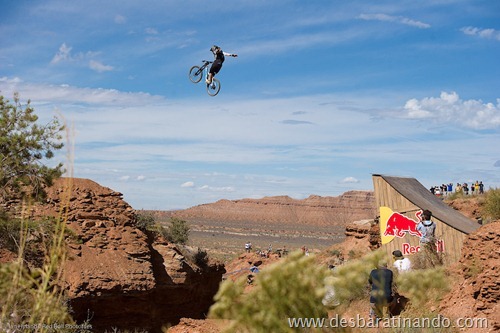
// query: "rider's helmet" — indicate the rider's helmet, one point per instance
point(215, 49)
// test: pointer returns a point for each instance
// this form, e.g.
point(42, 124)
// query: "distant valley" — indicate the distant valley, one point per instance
point(316, 222)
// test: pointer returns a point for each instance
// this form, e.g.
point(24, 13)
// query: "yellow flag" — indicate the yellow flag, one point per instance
point(385, 214)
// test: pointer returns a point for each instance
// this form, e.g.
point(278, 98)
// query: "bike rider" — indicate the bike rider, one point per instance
point(217, 64)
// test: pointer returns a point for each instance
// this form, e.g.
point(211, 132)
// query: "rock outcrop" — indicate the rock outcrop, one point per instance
point(366, 230)
point(118, 276)
point(476, 293)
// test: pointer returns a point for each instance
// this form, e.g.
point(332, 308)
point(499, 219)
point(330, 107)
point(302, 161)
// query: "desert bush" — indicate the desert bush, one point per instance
point(145, 220)
point(427, 257)
point(350, 280)
point(292, 288)
point(30, 298)
point(491, 206)
point(195, 255)
point(423, 285)
point(201, 258)
point(38, 237)
point(177, 231)
point(295, 287)
point(455, 195)
point(9, 233)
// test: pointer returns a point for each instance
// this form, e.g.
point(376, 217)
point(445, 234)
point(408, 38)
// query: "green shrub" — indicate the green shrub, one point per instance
point(145, 220)
point(177, 231)
point(195, 255)
point(350, 280)
point(38, 237)
point(201, 258)
point(294, 287)
point(491, 206)
point(31, 297)
point(423, 285)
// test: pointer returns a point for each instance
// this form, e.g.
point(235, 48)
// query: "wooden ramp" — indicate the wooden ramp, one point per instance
point(406, 196)
point(421, 197)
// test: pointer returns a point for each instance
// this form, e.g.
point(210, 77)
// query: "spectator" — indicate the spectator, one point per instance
point(428, 247)
point(427, 228)
point(381, 290)
point(248, 247)
point(254, 269)
point(465, 188)
point(401, 263)
point(449, 189)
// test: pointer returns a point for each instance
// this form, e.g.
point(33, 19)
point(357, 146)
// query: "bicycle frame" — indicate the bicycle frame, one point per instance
point(195, 75)
point(204, 68)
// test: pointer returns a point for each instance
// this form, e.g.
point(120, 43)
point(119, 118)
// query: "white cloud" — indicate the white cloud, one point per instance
point(141, 178)
point(99, 67)
point(187, 184)
point(396, 19)
point(449, 108)
point(57, 94)
point(151, 31)
point(349, 180)
point(217, 189)
point(64, 53)
point(482, 33)
point(120, 19)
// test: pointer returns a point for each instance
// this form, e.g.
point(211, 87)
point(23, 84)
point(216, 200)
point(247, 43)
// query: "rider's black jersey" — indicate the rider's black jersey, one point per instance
point(219, 56)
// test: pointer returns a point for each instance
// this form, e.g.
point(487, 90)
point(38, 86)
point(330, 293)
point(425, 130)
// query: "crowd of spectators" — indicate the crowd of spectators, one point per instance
point(465, 188)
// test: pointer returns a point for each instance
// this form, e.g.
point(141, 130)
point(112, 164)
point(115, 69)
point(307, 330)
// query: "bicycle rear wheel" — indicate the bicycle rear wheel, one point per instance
point(195, 74)
point(214, 87)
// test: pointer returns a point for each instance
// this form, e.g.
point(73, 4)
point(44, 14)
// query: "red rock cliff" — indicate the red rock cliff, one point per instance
point(118, 276)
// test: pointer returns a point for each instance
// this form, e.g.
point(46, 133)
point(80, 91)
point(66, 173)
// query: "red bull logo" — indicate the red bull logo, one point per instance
point(394, 224)
point(398, 225)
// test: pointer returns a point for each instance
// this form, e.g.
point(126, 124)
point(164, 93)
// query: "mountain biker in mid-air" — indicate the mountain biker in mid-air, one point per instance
point(217, 64)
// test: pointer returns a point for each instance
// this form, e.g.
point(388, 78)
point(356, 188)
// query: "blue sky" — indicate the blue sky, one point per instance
point(322, 95)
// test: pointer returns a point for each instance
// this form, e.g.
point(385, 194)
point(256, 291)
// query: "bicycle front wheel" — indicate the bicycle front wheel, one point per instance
point(214, 87)
point(195, 74)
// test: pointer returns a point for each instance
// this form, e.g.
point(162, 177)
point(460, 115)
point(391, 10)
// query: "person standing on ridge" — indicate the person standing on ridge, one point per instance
point(219, 56)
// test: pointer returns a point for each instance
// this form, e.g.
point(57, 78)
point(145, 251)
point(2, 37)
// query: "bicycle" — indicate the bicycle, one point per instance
point(196, 73)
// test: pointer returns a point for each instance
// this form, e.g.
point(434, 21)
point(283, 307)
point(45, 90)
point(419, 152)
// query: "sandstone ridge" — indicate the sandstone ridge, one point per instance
point(313, 211)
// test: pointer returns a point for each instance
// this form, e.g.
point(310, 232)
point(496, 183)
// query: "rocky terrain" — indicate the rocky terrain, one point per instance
point(118, 276)
point(122, 277)
point(475, 291)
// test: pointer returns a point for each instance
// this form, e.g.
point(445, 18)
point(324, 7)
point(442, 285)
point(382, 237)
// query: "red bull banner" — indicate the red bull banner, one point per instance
point(394, 224)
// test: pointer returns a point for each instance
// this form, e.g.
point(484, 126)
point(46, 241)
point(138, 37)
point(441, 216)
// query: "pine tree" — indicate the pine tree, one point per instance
point(24, 148)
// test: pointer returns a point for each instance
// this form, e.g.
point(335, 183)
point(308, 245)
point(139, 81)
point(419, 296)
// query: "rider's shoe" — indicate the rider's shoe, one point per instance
point(208, 81)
